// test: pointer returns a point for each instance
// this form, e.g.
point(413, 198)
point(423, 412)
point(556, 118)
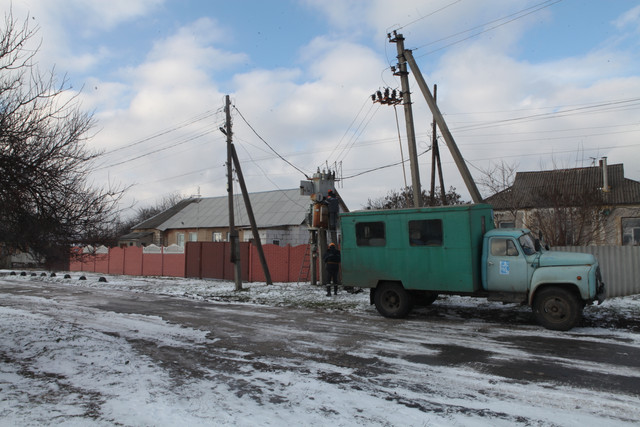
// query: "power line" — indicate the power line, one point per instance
point(384, 166)
point(555, 114)
point(158, 134)
point(428, 15)
point(270, 147)
point(366, 101)
point(517, 15)
point(172, 144)
point(269, 178)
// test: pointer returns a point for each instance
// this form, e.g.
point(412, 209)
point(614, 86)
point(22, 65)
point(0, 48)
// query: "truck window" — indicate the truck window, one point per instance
point(503, 247)
point(370, 234)
point(425, 232)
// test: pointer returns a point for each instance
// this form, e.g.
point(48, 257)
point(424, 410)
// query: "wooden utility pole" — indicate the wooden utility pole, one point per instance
point(444, 129)
point(398, 39)
point(252, 219)
point(233, 233)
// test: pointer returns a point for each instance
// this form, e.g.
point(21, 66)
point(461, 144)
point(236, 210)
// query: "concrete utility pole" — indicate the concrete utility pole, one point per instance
point(435, 158)
point(252, 218)
point(444, 129)
point(398, 39)
point(233, 233)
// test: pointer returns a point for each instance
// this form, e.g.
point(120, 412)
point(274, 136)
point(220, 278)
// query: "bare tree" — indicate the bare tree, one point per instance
point(497, 177)
point(404, 199)
point(46, 203)
point(568, 219)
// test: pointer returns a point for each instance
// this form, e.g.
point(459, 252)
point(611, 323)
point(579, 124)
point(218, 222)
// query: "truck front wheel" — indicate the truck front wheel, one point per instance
point(557, 308)
point(392, 300)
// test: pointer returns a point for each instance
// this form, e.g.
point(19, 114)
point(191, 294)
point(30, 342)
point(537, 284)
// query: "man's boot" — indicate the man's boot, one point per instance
point(328, 291)
point(335, 290)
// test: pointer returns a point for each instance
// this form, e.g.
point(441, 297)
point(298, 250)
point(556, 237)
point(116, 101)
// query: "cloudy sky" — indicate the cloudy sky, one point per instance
point(536, 84)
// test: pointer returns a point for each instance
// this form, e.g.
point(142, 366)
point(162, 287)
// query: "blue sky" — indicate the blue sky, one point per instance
point(536, 84)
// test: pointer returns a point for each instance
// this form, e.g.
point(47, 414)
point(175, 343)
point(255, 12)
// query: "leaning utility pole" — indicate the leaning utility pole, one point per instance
point(444, 129)
point(252, 218)
point(408, 116)
point(233, 233)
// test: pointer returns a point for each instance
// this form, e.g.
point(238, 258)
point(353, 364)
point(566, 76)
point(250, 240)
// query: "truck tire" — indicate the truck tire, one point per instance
point(392, 300)
point(557, 308)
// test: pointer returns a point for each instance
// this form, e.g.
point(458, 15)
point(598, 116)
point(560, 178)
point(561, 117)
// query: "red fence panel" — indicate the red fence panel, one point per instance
point(152, 264)
point(133, 261)
point(116, 261)
point(173, 264)
point(296, 256)
point(213, 261)
point(193, 254)
point(101, 263)
point(199, 259)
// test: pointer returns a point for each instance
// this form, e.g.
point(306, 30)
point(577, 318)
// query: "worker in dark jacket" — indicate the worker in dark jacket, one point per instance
point(332, 263)
point(333, 205)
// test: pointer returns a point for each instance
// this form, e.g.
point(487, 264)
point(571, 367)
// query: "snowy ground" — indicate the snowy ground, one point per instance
point(68, 364)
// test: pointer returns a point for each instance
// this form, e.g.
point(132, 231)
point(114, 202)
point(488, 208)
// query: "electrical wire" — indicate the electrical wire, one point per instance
point(518, 15)
point(172, 144)
point(269, 178)
point(188, 122)
point(270, 147)
point(350, 126)
point(384, 166)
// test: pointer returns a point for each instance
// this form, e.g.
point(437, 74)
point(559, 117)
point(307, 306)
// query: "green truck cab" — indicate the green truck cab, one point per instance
point(408, 257)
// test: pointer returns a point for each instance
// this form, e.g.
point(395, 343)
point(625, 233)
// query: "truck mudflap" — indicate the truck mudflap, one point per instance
point(601, 288)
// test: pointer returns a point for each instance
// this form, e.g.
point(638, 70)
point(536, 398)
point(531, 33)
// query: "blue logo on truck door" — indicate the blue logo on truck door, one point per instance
point(504, 267)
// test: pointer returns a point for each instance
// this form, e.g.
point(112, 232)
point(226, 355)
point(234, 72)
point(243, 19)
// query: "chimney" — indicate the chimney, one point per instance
point(605, 176)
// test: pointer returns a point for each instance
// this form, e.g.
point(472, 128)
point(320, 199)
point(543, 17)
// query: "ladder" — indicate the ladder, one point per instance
point(306, 264)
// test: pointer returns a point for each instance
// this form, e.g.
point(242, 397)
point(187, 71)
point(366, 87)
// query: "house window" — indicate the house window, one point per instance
point(217, 236)
point(193, 236)
point(180, 239)
point(370, 234)
point(631, 231)
point(276, 242)
point(425, 232)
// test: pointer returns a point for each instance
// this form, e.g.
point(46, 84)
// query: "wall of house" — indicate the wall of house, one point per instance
point(292, 235)
point(609, 232)
point(287, 235)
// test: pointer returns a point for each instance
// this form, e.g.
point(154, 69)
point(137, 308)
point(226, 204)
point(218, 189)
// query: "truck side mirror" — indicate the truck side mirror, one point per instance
point(537, 245)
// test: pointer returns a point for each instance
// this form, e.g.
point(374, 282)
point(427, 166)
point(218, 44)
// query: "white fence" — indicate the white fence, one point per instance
point(620, 266)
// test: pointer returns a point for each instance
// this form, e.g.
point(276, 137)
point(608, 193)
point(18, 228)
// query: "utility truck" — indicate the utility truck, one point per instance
point(408, 257)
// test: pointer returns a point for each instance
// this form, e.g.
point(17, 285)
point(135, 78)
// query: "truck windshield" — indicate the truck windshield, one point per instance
point(528, 244)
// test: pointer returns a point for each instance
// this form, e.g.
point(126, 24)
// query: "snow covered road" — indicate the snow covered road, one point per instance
point(169, 352)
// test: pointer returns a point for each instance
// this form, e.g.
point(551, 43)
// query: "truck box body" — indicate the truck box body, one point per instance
point(432, 249)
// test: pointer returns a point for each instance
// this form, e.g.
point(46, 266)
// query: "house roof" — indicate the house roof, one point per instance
point(572, 186)
point(136, 235)
point(156, 220)
point(270, 208)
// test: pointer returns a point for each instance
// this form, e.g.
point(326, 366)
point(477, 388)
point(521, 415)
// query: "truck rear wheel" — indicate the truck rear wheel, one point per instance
point(392, 300)
point(557, 308)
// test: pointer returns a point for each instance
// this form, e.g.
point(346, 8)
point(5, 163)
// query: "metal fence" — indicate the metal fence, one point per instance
point(620, 267)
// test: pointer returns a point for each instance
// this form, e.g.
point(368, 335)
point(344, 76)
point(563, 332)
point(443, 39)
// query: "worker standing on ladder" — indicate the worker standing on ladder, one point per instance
point(332, 263)
point(333, 205)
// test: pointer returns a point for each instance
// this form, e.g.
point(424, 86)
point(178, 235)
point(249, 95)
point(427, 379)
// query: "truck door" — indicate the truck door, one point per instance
point(506, 266)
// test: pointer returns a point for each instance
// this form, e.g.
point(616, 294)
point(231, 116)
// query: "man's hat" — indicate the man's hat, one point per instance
point(332, 245)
